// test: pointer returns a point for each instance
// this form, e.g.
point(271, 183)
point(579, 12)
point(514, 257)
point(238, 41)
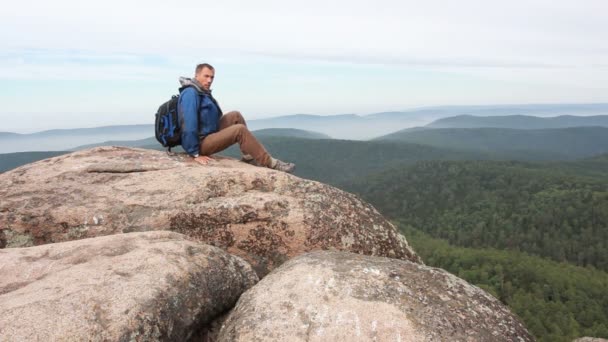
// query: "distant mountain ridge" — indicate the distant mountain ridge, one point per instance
point(126, 143)
point(120, 129)
point(10, 161)
point(289, 132)
point(343, 126)
point(573, 142)
point(362, 127)
point(520, 121)
point(331, 160)
point(583, 109)
point(152, 143)
point(65, 139)
point(8, 134)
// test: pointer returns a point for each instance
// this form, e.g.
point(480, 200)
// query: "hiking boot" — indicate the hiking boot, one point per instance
point(283, 166)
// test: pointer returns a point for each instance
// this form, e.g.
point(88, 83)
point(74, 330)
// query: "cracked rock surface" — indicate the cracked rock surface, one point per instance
point(259, 214)
point(151, 286)
point(339, 296)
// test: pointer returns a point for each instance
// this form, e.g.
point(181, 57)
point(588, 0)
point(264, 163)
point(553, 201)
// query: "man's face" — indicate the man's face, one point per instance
point(205, 77)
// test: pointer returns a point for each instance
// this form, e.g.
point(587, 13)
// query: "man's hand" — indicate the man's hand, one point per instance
point(204, 160)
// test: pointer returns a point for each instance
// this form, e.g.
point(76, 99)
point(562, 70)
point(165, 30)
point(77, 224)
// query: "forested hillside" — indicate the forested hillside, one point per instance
point(486, 220)
point(152, 143)
point(596, 166)
point(534, 208)
point(289, 133)
point(543, 144)
point(557, 210)
point(335, 161)
point(557, 301)
point(9, 161)
point(520, 121)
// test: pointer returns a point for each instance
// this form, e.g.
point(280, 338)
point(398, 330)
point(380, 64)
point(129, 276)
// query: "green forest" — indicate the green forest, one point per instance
point(535, 235)
point(537, 209)
point(556, 301)
point(546, 144)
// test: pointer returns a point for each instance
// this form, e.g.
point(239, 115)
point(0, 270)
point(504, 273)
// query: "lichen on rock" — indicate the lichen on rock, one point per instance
point(339, 296)
point(259, 214)
point(151, 286)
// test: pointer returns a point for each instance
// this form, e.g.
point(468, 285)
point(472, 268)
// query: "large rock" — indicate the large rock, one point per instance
point(154, 286)
point(262, 215)
point(338, 296)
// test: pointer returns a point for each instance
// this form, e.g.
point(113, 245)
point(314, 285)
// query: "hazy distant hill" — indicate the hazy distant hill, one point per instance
point(530, 109)
point(151, 142)
point(520, 121)
point(361, 127)
point(10, 161)
point(334, 161)
point(128, 143)
point(289, 132)
point(576, 142)
point(64, 139)
point(119, 129)
point(8, 135)
point(347, 126)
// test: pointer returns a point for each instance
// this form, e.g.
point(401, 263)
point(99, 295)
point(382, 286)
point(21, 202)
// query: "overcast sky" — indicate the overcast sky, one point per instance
point(67, 63)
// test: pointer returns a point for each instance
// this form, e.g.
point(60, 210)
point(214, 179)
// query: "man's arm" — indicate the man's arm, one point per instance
point(188, 106)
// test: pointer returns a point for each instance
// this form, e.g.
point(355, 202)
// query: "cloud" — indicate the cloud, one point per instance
point(276, 57)
point(463, 33)
point(42, 64)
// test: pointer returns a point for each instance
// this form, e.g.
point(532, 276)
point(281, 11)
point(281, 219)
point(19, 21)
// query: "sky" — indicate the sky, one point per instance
point(70, 64)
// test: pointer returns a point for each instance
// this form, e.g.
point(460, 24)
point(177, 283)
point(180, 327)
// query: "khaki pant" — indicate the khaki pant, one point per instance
point(233, 129)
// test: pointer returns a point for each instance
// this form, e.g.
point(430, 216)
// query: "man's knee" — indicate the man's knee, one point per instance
point(234, 130)
point(234, 114)
point(239, 118)
point(239, 128)
point(232, 118)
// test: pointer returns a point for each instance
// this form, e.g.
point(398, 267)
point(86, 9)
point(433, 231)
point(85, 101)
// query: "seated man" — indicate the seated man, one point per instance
point(206, 131)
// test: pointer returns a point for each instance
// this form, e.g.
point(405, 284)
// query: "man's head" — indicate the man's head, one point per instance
point(204, 74)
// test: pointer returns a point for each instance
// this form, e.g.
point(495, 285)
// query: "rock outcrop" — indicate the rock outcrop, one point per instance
point(338, 296)
point(153, 286)
point(262, 215)
point(127, 278)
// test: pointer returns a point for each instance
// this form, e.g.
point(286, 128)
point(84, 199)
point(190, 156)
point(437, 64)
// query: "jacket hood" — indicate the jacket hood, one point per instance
point(190, 82)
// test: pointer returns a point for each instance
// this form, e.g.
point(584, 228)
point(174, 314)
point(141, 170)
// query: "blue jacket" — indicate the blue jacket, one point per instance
point(199, 115)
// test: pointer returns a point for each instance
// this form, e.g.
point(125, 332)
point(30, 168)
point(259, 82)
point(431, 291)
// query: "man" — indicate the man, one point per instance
point(206, 131)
